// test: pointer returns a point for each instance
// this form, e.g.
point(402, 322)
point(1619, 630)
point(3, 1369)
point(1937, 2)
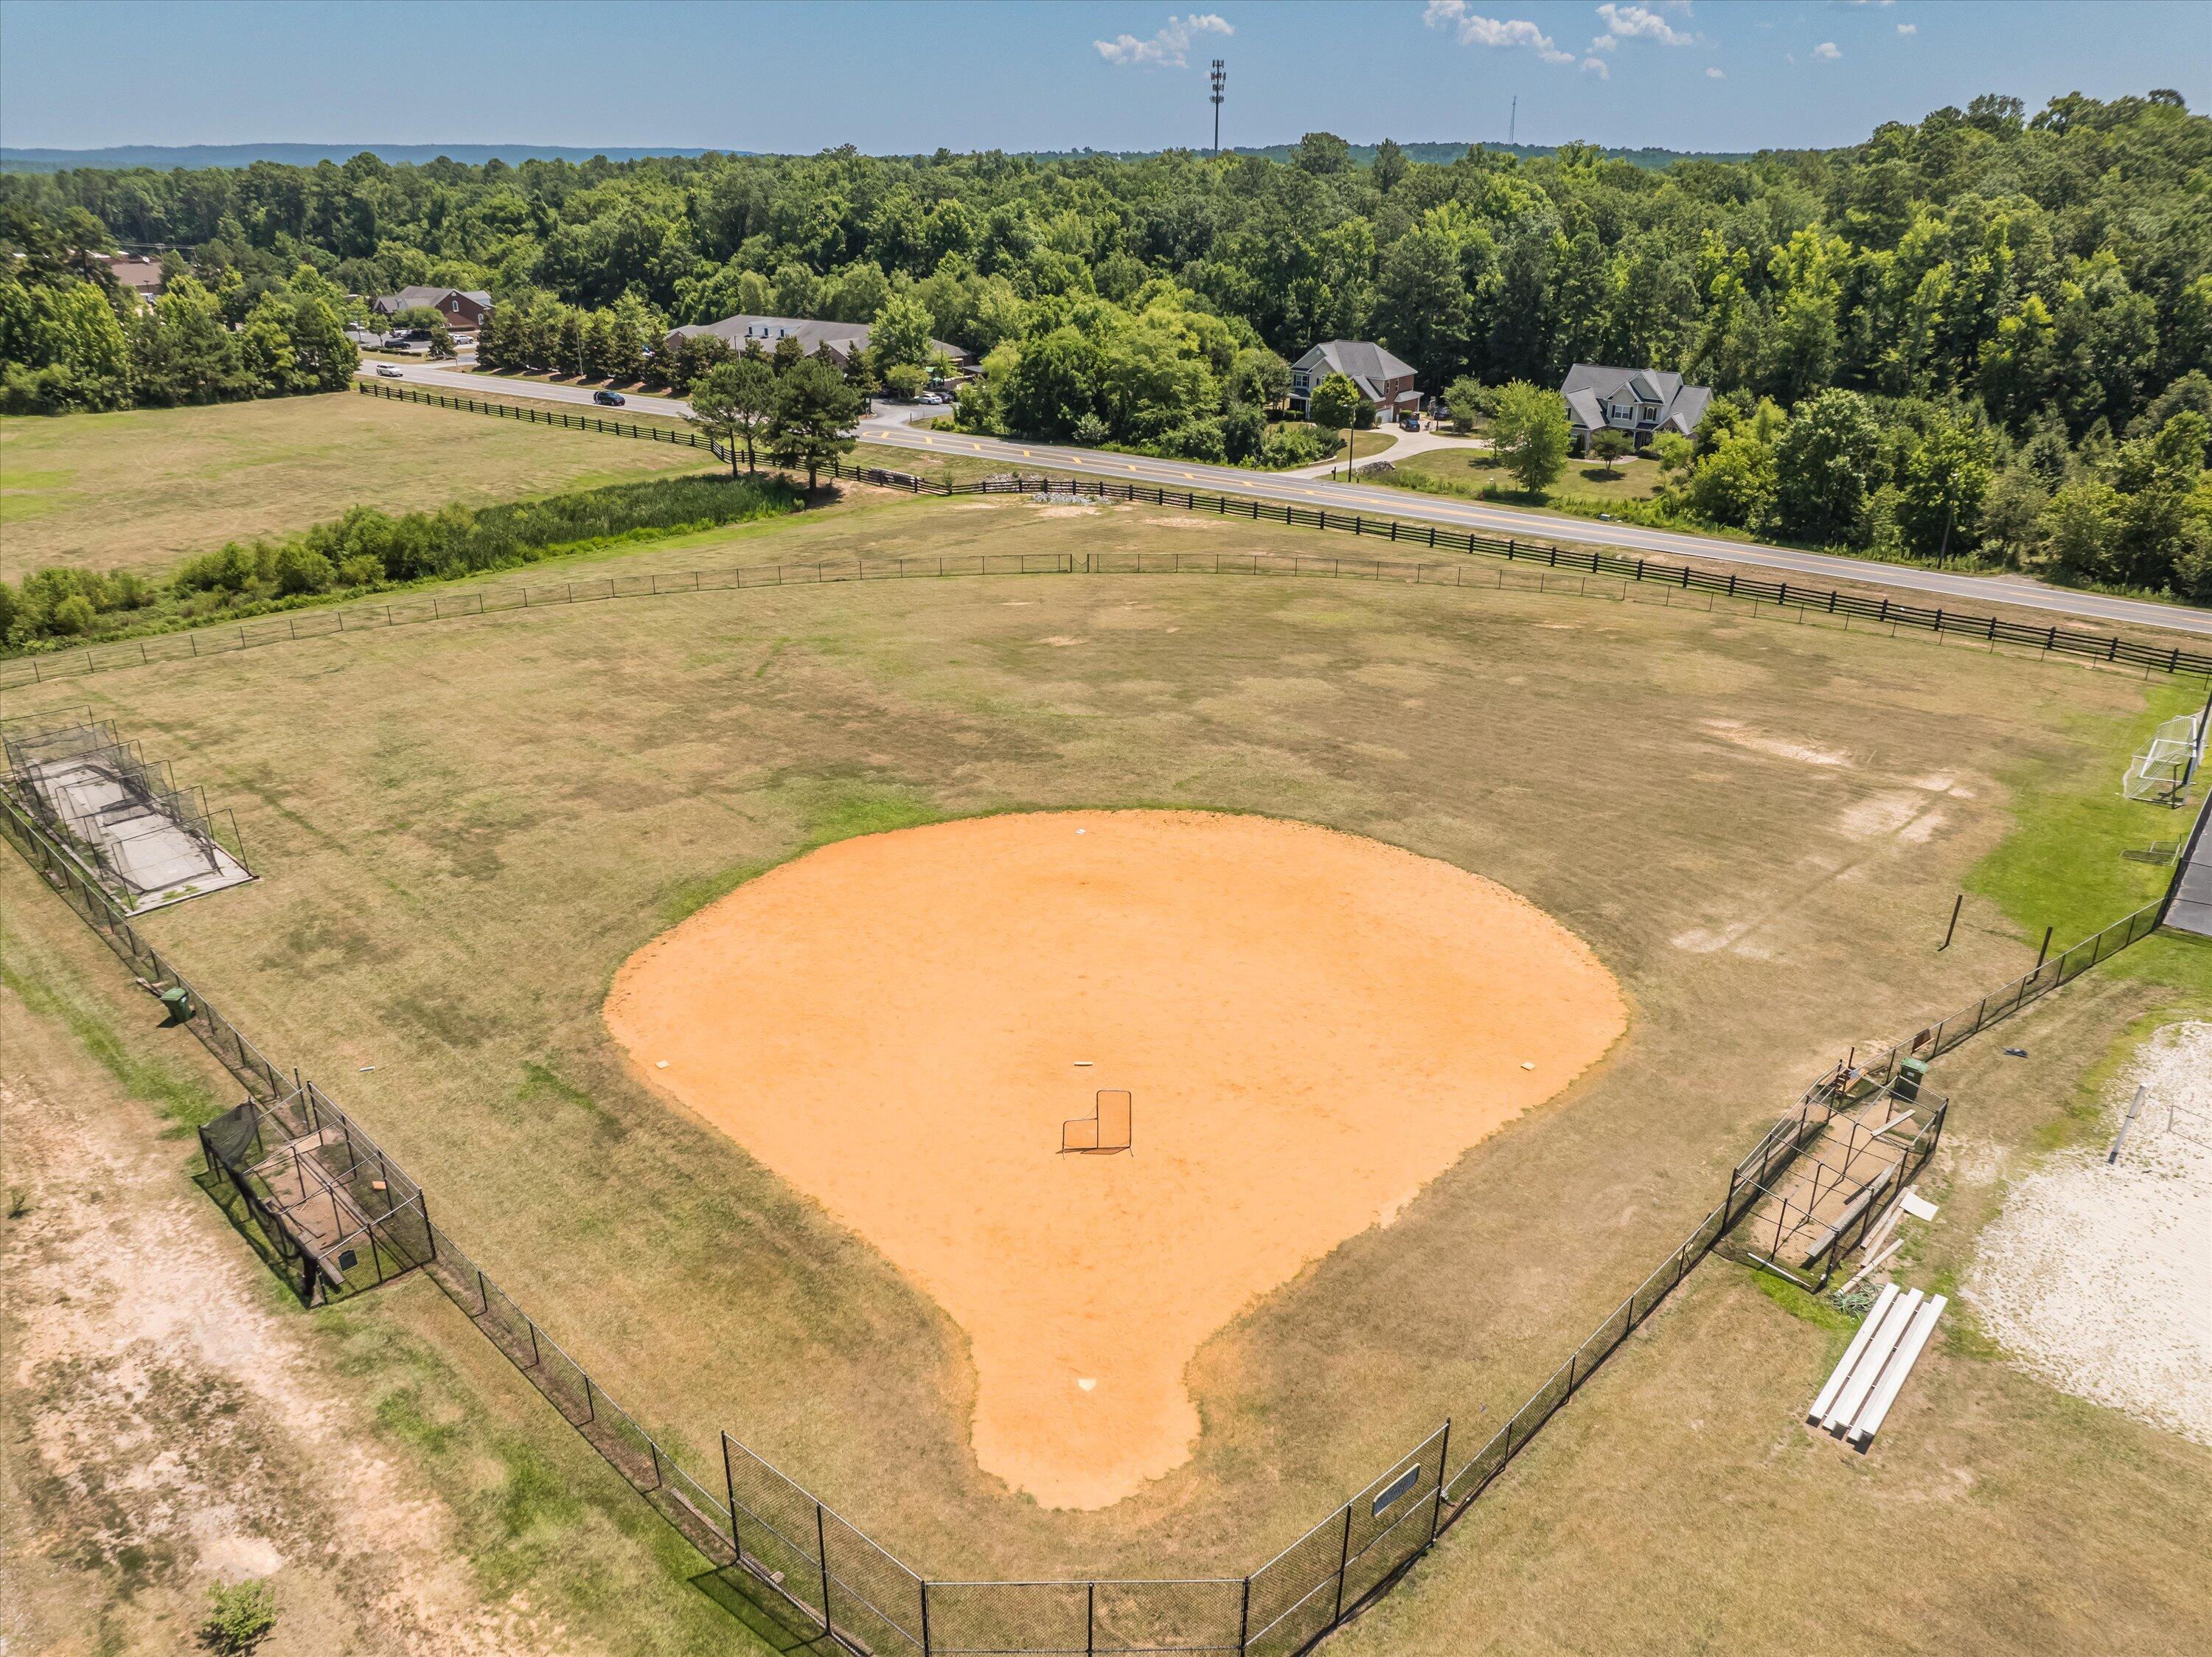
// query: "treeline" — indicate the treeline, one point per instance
point(1914, 477)
point(2048, 278)
point(366, 549)
point(70, 337)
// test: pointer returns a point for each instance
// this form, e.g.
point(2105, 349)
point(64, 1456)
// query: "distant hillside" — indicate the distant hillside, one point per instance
point(1363, 155)
point(164, 157)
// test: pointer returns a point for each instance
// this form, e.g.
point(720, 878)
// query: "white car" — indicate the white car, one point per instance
point(389, 371)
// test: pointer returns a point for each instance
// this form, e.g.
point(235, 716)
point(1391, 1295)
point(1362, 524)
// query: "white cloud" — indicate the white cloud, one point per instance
point(1908, 28)
point(1473, 29)
point(1604, 43)
point(1716, 75)
point(1828, 49)
point(1638, 21)
point(1169, 48)
point(1597, 66)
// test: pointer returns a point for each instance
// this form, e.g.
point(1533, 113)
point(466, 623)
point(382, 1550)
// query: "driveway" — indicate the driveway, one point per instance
point(893, 427)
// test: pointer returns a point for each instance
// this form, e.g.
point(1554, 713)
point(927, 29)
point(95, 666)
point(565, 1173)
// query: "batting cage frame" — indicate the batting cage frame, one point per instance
point(119, 816)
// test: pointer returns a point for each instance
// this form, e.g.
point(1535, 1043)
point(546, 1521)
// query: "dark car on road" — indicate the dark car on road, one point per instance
point(612, 399)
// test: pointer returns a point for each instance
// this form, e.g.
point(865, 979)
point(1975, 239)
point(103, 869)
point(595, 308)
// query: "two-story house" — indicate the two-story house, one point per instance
point(1641, 402)
point(1383, 379)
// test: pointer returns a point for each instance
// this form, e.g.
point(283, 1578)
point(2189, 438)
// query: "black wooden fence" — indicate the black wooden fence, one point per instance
point(1799, 596)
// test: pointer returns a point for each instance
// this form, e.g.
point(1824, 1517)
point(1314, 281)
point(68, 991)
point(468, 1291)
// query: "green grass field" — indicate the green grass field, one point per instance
point(145, 489)
point(1470, 472)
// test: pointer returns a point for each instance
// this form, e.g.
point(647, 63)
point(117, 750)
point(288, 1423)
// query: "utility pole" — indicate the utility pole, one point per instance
point(1220, 80)
point(1513, 120)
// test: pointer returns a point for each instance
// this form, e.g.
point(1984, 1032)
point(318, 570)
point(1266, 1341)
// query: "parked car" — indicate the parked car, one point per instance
point(612, 399)
point(389, 371)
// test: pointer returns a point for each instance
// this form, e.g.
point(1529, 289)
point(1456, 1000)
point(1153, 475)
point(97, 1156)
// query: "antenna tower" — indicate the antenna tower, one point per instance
point(1219, 77)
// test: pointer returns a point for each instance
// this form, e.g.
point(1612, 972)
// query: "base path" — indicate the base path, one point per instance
point(1313, 1027)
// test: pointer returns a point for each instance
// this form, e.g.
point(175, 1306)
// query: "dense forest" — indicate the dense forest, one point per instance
point(1987, 334)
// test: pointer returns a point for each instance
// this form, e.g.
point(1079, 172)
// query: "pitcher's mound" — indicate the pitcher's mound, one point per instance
point(1312, 1025)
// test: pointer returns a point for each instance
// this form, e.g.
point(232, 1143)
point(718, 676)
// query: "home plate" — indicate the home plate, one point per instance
point(1085, 1383)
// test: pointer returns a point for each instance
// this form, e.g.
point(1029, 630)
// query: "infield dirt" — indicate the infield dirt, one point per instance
point(1314, 1025)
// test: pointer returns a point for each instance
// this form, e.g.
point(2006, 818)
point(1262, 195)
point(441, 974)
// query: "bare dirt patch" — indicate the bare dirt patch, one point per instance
point(1314, 1025)
point(168, 1429)
point(2098, 1277)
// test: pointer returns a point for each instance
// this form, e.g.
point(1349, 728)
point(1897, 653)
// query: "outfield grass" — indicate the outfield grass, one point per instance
point(142, 489)
point(463, 829)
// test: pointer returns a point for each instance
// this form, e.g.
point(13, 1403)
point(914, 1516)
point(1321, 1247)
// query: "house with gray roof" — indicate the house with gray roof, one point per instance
point(1642, 402)
point(461, 307)
point(840, 337)
point(1383, 379)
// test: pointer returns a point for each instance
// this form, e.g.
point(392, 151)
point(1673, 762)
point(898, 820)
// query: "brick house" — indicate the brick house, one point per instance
point(1383, 379)
point(463, 311)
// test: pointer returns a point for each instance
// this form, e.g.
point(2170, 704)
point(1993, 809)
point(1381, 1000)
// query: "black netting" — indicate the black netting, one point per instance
point(968, 1619)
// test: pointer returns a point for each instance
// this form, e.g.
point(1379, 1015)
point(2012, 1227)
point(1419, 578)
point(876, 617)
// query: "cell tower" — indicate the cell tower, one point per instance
point(1220, 79)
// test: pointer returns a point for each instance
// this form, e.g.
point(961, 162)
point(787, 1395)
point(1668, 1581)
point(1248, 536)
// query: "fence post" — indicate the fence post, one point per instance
point(738, 1548)
point(1244, 1620)
point(1090, 1619)
point(822, 1548)
point(1343, 1566)
point(1443, 1468)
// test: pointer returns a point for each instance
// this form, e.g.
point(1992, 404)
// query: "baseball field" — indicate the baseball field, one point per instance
point(727, 965)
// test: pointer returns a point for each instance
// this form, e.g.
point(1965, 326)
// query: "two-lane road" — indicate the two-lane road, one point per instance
point(894, 427)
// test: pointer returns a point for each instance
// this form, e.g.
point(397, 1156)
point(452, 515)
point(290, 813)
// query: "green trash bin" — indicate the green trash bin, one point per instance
point(1906, 1090)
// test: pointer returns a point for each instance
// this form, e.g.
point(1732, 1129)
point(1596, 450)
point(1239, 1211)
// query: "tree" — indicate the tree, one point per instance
point(733, 403)
point(1827, 467)
point(1390, 166)
point(1941, 479)
point(1466, 398)
point(1321, 153)
point(906, 381)
point(1333, 403)
point(1421, 309)
point(1609, 443)
point(1531, 433)
point(900, 332)
point(814, 409)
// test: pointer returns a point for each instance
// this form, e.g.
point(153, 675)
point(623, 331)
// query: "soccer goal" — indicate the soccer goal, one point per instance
point(2162, 772)
point(1106, 1130)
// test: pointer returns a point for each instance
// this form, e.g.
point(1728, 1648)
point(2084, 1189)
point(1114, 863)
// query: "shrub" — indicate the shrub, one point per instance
point(1295, 444)
point(300, 568)
point(72, 615)
point(360, 570)
point(240, 1618)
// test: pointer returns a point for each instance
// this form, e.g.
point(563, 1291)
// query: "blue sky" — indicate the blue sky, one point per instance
point(1715, 75)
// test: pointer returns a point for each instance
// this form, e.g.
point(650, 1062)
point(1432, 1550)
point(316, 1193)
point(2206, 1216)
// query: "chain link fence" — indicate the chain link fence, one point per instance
point(775, 1537)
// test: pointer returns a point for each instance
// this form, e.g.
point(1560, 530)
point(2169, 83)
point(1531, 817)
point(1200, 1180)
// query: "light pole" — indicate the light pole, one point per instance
point(1220, 80)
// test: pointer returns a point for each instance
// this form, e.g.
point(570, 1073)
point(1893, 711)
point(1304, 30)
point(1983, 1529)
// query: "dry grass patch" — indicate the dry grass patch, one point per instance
point(464, 828)
point(144, 489)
